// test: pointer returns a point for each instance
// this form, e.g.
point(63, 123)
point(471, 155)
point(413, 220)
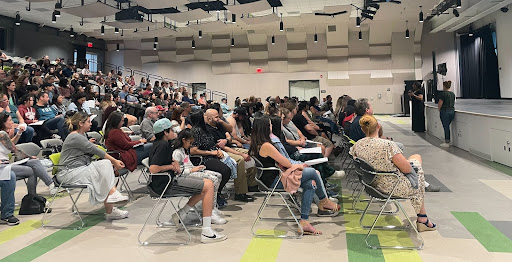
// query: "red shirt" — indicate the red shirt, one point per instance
point(117, 140)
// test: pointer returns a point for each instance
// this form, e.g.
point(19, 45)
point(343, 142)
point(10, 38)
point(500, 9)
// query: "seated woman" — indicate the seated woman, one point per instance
point(178, 120)
point(27, 132)
point(384, 155)
point(318, 114)
point(28, 113)
point(181, 154)
point(132, 152)
point(97, 175)
point(108, 106)
point(32, 169)
point(78, 104)
point(311, 183)
point(57, 105)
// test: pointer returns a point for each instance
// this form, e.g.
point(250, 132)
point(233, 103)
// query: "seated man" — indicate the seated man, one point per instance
point(7, 188)
point(146, 126)
point(160, 161)
point(51, 120)
point(245, 181)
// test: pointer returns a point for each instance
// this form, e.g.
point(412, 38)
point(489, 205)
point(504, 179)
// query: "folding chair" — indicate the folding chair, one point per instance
point(269, 193)
point(30, 149)
point(368, 174)
point(97, 136)
point(167, 198)
point(69, 188)
point(135, 138)
point(123, 173)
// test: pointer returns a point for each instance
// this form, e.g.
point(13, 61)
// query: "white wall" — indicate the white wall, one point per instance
point(444, 44)
point(504, 39)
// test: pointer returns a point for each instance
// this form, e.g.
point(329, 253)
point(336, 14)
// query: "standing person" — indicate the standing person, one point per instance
point(446, 108)
point(181, 154)
point(97, 175)
point(418, 107)
point(160, 161)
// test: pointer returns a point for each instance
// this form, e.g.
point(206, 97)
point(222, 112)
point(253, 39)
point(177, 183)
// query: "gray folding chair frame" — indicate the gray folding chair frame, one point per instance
point(158, 222)
point(268, 194)
point(74, 208)
point(387, 198)
point(29, 148)
point(135, 129)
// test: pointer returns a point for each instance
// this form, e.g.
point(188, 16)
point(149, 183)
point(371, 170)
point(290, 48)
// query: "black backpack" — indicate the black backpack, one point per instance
point(32, 205)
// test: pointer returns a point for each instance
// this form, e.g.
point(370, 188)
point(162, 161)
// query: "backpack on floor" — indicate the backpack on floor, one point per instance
point(32, 205)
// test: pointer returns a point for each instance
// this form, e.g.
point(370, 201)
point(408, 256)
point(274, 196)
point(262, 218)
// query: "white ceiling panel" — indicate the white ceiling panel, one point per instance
point(96, 9)
point(253, 7)
point(192, 15)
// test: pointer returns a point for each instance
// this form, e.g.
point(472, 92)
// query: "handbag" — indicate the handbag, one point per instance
point(32, 205)
point(291, 179)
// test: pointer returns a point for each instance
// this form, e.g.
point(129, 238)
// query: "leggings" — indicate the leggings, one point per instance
point(308, 190)
point(32, 170)
point(216, 165)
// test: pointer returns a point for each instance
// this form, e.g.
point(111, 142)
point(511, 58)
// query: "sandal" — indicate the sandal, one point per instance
point(423, 226)
point(327, 208)
point(309, 229)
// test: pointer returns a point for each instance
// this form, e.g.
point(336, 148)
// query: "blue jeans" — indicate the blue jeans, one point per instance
point(308, 190)
point(57, 123)
point(446, 119)
point(143, 152)
point(7, 195)
point(334, 127)
point(26, 136)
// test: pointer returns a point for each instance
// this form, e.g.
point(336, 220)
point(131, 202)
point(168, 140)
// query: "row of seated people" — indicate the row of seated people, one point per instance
point(267, 144)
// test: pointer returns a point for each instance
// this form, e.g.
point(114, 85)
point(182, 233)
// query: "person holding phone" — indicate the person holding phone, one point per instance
point(181, 154)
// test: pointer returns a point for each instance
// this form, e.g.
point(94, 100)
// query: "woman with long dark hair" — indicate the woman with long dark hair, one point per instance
point(77, 105)
point(132, 152)
point(311, 183)
point(206, 146)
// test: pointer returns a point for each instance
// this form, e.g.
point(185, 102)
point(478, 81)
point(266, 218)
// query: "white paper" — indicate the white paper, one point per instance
point(309, 141)
point(327, 113)
point(5, 173)
point(317, 161)
point(38, 123)
point(90, 103)
point(312, 150)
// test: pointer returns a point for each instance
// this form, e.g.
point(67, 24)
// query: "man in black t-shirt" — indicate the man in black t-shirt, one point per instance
point(160, 161)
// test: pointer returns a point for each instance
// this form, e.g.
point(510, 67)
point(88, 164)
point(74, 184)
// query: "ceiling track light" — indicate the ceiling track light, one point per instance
point(122, 32)
point(360, 35)
point(116, 30)
point(358, 21)
point(102, 30)
point(407, 33)
point(18, 18)
point(421, 18)
point(154, 46)
point(71, 32)
point(232, 39)
point(374, 6)
point(117, 47)
point(200, 34)
point(370, 12)
point(315, 39)
point(281, 24)
point(57, 13)
point(156, 41)
point(456, 12)
point(470, 34)
point(193, 43)
point(233, 18)
point(273, 40)
point(367, 16)
point(54, 18)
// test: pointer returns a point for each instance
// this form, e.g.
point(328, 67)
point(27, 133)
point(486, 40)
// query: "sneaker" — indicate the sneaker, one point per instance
point(338, 174)
point(221, 202)
point(54, 190)
point(212, 237)
point(116, 197)
point(330, 186)
point(10, 221)
point(216, 219)
point(331, 193)
point(217, 211)
point(432, 188)
point(242, 198)
point(446, 145)
point(117, 214)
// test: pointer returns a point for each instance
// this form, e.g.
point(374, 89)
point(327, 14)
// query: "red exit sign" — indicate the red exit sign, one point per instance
point(89, 44)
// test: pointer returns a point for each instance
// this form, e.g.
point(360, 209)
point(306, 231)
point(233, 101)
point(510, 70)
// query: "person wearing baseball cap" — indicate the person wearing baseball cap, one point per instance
point(159, 162)
point(161, 111)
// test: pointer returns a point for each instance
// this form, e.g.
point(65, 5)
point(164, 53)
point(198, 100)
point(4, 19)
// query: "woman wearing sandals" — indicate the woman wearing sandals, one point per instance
point(384, 155)
point(311, 183)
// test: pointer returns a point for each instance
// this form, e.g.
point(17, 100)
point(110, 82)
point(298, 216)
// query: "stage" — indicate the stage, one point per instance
point(481, 126)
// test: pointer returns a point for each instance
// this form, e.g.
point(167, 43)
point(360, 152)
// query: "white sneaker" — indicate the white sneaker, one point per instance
point(117, 214)
point(54, 190)
point(338, 174)
point(216, 219)
point(217, 211)
point(333, 199)
point(212, 236)
point(116, 197)
point(446, 145)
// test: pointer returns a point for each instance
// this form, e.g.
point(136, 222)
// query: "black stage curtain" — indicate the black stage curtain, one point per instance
point(479, 66)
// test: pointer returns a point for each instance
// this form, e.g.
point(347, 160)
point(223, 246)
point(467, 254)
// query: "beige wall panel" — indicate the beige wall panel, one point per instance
point(221, 68)
point(380, 50)
point(340, 37)
point(317, 65)
point(337, 63)
point(359, 79)
point(358, 47)
point(167, 56)
point(337, 51)
point(240, 68)
point(402, 51)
